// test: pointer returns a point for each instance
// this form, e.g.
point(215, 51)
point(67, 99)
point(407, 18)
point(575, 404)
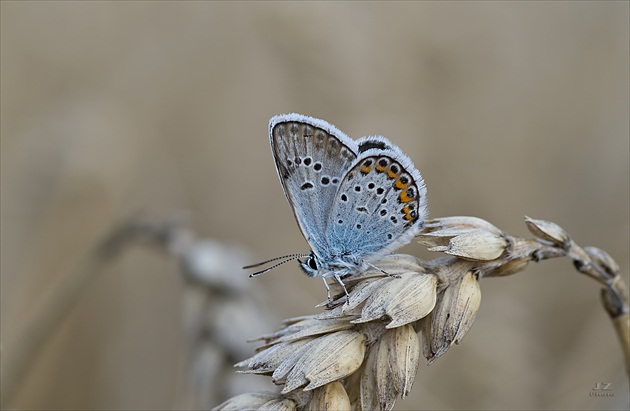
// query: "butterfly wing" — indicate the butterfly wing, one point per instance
point(311, 156)
point(380, 204)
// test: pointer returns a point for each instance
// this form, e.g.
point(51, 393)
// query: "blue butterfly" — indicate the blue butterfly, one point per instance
point(354, 200)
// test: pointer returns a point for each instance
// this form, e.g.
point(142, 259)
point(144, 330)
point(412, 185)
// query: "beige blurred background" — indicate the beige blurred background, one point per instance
point(111, 109)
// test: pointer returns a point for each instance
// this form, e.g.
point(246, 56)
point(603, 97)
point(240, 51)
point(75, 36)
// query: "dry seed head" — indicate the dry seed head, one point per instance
point(463, 223)
point(279, 376)
point(305, 327)
point(508, 268)
point(269, 360)
point(280, 404)
point(394, 264)
point(325, 354)
point(474, 245)
point(548, 232)
point(400, 263)
point(377, 391)
point(468, 302)
point(403, 348)
point(465, 237)
point(255, 401)
point(603, 259)
point(390, 368)
point(315, 351)
point(404, 300)
point(452, 317)
point(326, 359)
point(329, 397)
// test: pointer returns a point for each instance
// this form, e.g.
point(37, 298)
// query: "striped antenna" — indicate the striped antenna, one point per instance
point(286, 258)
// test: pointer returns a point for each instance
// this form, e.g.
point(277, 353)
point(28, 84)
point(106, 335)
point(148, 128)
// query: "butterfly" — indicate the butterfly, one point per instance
point(354, 200)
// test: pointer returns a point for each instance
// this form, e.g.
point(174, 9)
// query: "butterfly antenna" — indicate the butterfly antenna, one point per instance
point(291, 256)
point(287, 258)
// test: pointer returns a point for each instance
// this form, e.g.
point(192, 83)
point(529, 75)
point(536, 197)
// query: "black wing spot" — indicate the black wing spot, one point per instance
point(308, 161)
point(317, 166)
point(306, 186)
point(371, 144)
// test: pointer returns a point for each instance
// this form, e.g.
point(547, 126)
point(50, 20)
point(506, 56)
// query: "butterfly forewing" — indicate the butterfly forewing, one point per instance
point(311, 157)
point(379, 206)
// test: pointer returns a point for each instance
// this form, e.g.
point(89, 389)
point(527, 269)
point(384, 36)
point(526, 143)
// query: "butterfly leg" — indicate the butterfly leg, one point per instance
point(383, 271)
point(338, 278)
point(327, 289)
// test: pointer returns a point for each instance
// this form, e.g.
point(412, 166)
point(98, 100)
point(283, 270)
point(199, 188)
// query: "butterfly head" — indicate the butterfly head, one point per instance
point(334, 265)
point(311, 265)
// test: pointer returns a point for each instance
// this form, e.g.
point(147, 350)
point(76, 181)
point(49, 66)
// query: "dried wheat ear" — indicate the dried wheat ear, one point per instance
point(363, 351)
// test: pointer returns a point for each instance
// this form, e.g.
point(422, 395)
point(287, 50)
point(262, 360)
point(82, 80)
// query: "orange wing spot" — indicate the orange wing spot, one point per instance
point(404, 198)
point(400, 185)
point(380, 168)
point(394, 170)
point(410, 214)
point(365, 169)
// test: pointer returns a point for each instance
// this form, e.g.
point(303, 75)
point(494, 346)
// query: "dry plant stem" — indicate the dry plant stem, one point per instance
point(591, 261)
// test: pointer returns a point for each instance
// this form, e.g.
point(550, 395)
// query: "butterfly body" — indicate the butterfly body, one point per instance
point(354, 200)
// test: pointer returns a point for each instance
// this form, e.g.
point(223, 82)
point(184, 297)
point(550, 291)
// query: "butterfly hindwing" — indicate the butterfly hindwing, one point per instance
point(380, 204)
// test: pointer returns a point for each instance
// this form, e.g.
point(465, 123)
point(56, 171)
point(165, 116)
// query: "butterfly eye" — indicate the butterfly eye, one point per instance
point(312, 263)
